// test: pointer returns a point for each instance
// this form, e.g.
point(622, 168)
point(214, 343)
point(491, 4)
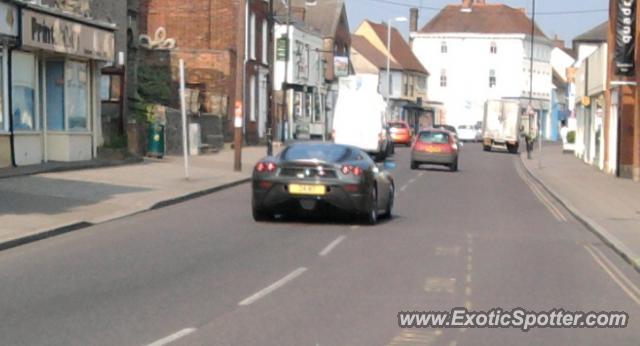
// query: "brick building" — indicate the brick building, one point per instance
point(210, 36)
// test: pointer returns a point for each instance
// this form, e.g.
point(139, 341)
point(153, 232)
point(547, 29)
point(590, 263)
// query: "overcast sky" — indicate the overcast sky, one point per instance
point(567, 26)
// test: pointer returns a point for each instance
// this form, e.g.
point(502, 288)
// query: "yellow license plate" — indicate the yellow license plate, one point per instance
point(433, 150)
point(316, 190)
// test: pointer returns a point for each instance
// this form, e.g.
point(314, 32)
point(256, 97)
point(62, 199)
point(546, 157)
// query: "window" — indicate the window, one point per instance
point(77, 91)
point(110, 88)
point(252, 37)
point(492, 78)
point(252, 97)
point(443, 78)
point(54, 80)
point(23, 91)
point(494, 48)
point(265, 40)
point(443, 47)
point(3, 124)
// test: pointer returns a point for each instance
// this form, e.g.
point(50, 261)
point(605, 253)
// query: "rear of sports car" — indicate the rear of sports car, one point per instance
point(309, 186)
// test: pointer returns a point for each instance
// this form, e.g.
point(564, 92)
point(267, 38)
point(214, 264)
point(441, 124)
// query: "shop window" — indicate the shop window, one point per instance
point(23, 91)
point(317, 115)
point(77, 88)
point(55, 95)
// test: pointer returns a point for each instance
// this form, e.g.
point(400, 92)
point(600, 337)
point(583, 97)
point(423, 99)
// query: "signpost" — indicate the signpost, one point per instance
point(183, 109)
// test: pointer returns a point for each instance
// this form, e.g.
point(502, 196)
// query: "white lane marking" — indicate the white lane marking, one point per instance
point(355, 227)
point(403, 188)
point(274, 286)
point(332, 245)
point(612, 275)
point(173, 337)
point(412, 181)
point(421, 174)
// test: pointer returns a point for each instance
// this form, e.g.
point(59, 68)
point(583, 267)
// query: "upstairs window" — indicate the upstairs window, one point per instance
point(494, 48)
point(443, 47)
point(443, 78)
point(492, 78)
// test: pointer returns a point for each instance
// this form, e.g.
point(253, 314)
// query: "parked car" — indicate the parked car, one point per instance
point(435, 147)
point(313, 176)
point(467, 133)
point(401, 132)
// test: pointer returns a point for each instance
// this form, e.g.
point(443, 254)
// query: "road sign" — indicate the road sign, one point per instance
point(238, 115)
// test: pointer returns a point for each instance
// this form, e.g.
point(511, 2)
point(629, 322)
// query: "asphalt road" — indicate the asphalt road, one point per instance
point(203, 273)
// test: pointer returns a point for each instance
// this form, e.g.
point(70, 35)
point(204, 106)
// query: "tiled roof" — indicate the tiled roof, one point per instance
point(597, 34)
point(363, 47)
point(482, 19)
point(400, 49)
point(324, 15)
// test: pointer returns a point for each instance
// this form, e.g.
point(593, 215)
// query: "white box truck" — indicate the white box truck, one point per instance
point(501, 126)
point(359, 118)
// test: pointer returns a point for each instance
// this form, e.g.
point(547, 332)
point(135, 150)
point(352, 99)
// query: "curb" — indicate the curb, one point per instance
point(609, 239)
point(32, 238)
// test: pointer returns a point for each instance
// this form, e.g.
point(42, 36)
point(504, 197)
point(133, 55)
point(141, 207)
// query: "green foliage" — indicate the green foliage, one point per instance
point(571, 137)
point(154, 84)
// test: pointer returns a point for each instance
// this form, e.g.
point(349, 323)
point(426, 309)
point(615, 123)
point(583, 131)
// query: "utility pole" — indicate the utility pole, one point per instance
point(530, 110)
point(285, 82)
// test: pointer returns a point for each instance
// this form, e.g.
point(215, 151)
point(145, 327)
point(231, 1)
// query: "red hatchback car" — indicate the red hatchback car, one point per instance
point(400, 132)
point(435, 147)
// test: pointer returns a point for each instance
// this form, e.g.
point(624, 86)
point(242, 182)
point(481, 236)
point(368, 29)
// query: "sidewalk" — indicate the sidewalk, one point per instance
point(608, 206)
point(41, 205)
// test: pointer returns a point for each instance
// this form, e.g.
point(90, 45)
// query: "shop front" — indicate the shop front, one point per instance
point(8, 37)
point(55, 86)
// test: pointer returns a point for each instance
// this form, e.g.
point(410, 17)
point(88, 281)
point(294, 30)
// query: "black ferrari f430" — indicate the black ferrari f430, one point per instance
point(314, 177)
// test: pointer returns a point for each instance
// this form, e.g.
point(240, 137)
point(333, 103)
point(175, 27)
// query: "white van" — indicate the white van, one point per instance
point(359, 118)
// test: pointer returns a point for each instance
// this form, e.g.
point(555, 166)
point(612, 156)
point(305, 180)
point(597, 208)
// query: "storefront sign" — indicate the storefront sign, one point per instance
point(44, 31)
point(625, 37)
point(8, 20)
point(341, 66)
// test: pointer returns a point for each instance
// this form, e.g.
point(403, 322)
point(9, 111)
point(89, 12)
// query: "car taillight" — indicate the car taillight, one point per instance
point(346, 170)
point(262, 167)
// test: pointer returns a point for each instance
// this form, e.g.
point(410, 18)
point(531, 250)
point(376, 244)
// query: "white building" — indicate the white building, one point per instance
point(306, 90)
point(477, 51)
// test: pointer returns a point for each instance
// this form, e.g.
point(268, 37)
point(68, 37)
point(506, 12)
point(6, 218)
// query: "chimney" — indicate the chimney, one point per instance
point(558, 42)
point(413, 20)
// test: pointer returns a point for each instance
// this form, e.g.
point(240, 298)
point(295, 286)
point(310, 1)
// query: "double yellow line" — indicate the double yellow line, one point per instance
point(541, 196)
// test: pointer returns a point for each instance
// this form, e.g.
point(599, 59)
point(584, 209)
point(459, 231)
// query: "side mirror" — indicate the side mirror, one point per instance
point(390, 165)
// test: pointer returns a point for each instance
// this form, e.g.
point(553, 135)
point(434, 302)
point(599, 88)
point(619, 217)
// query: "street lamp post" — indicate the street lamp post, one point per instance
point(530, 111)
point(399, 20)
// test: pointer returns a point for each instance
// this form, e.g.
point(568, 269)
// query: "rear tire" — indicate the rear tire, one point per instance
point(486, 147)
point(414, 165)
point(388, 212)
point(513, 149)
point(260, 215)
point(454, 166)
point(371, 218)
